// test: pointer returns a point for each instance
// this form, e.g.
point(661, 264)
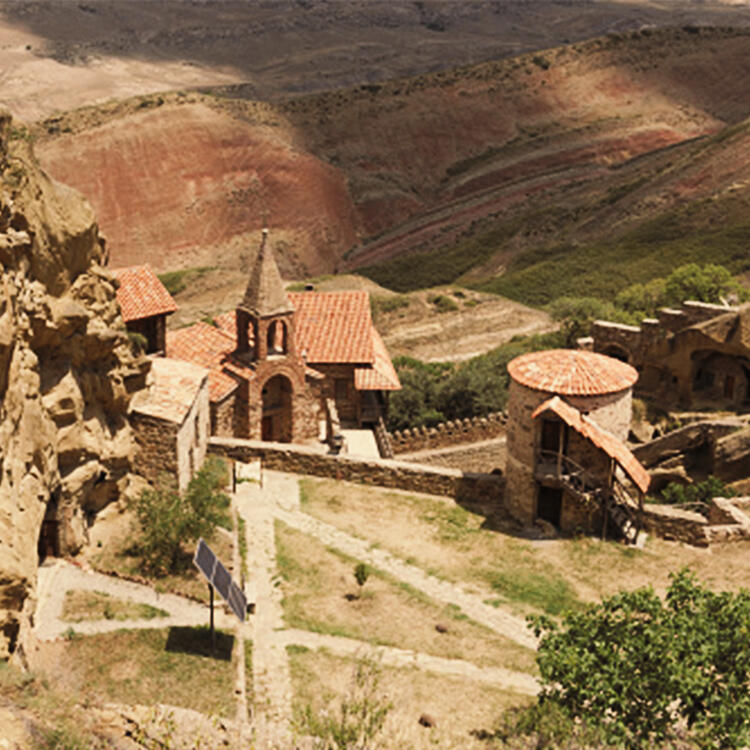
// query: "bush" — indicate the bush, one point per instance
point(699, 494)
point(636, 668)
point(166, 520)
point(443, 303)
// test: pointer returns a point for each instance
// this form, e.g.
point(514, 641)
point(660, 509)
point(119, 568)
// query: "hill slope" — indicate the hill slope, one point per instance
point(522, 148)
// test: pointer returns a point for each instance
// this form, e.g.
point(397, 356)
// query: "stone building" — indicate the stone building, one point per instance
point(145, 304)
point(170, 420)
point(567, 462)
point(281, 365)
point(697, 356)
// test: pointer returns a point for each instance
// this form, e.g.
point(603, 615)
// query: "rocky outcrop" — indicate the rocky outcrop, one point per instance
point(67, 372)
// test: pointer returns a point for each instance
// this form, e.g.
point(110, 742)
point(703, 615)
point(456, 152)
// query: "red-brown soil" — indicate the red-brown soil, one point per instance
point(410, 164)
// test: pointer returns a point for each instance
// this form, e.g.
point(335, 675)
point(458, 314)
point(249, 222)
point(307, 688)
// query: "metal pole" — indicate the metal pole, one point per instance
point(213, 632)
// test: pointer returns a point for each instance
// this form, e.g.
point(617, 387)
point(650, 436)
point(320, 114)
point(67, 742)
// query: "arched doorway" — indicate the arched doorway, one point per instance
point(276, 420)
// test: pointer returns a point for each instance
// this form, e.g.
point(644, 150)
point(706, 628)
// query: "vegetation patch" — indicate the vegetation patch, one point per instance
point(177, 281)
point(80, 605)
point(154, 666)
point(321, 594)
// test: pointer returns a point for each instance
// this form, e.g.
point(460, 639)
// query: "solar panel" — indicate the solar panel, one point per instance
point(218, 576)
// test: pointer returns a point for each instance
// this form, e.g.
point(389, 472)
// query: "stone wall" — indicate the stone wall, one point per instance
point(731, 456)
point(675, 524)
point(156, 440)
point(192, 438)
point(300, 459)
point(449, 433)
point(222, 416)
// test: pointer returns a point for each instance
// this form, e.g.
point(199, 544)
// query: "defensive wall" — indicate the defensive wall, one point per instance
point(445, 434)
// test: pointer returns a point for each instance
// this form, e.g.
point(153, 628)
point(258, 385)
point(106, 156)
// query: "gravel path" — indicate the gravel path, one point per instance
point(501, 622)
point(398, 657)
point(56, 579)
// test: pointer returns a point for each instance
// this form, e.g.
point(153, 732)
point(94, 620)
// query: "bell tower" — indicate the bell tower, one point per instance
point(266, 308)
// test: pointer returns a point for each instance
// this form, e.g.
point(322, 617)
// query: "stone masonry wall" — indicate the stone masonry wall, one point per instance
point(299, 459)
point(157, 442)
point(449, 433)
point(675, 524)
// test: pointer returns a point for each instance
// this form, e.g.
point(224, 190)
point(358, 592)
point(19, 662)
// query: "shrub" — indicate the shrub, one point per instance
point(361, 574)
point(699, 494)
point(442, 303)
point(166, 519)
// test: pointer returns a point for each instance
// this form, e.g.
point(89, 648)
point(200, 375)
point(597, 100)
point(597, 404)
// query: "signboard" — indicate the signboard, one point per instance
point(218, 576)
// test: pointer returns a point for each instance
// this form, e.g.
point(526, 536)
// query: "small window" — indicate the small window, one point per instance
point(342, 390)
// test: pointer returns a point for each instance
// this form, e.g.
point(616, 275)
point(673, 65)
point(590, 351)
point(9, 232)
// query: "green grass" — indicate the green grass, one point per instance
point(80, 606)
point(177, 281)
point(701, 232)
point(545, 591)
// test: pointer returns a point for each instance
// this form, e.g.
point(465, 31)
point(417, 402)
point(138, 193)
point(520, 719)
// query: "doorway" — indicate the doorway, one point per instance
point(549, 505)
point(48, 544)
point(276, 419)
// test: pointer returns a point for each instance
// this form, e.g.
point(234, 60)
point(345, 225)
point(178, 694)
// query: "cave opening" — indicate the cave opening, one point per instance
point(48, 544)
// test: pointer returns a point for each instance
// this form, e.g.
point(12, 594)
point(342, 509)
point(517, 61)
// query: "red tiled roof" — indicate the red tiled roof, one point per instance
point(381, 376)
point(334, 327)
point(602, 439)
point(141, 294)
point(572, 372)
point(209, 347)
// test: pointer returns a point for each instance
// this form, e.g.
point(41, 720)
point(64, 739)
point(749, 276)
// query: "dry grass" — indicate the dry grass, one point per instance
point(321, 594)
point(80, 605)
point(449, 541)
point(117, 554)
point(459, 706)
point(172, 666)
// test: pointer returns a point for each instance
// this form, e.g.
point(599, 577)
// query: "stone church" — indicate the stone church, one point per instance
point(282, 366)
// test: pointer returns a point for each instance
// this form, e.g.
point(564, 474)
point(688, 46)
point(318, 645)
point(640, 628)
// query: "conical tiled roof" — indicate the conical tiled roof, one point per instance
point(265, 295)
point(572, 372)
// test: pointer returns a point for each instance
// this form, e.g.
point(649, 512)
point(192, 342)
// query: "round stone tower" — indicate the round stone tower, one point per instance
point(594, 384)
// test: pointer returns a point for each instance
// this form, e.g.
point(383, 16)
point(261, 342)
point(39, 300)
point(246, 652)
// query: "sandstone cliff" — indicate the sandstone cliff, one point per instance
point(67, 372)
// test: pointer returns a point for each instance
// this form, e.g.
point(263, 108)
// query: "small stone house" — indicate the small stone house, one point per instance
point(170, 420)
point(697, 356)
point(281, 365)
point(567, 463)
point(145, 305)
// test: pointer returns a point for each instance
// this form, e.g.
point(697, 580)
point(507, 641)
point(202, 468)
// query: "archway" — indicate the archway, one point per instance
point(48, 544)
point(276, 338)
point(617, 352)
point(276, 420)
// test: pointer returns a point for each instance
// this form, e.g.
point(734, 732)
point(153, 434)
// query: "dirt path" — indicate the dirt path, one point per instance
point(458, 448)
point(398, 657)
point(57, 579)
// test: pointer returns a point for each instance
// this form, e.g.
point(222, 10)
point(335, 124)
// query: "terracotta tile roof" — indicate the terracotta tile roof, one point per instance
point(602, 439)
point(141, 294)
point(572, 372)
point(209, 347)
point(334, 327)
point(172, 387)
point(381, 376)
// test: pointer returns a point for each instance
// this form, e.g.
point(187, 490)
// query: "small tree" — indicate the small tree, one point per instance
point(167, 520)
point(361, 574)
point(635, 667)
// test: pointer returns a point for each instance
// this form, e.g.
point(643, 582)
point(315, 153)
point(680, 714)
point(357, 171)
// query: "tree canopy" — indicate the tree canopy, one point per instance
point(637, 668)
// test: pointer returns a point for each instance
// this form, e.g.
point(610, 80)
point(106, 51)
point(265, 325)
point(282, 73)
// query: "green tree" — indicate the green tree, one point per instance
point(709, 283)
point(576, 314)
point(633, 666)
point(361, 574)
point(167, 521)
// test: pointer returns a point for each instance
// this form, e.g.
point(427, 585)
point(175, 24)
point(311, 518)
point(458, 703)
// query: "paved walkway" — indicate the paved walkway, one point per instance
point(501, 622)
point(59, 577)
point(272, 684)
point(399, 657)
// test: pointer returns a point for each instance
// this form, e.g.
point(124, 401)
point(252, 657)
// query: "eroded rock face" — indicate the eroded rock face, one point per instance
point(67, 373)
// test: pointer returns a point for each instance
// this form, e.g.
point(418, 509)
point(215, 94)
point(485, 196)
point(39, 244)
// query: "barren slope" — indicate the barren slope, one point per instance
point(371, 173)
point(58, 55)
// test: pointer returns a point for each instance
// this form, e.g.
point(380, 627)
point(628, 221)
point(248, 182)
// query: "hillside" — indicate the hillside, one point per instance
point(519, 149)
point(58, 56)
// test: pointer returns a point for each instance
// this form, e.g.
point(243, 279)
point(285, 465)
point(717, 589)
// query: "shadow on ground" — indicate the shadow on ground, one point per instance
point(197, 641)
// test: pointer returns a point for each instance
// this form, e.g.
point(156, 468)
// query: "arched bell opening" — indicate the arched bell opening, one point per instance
point(276, 340)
